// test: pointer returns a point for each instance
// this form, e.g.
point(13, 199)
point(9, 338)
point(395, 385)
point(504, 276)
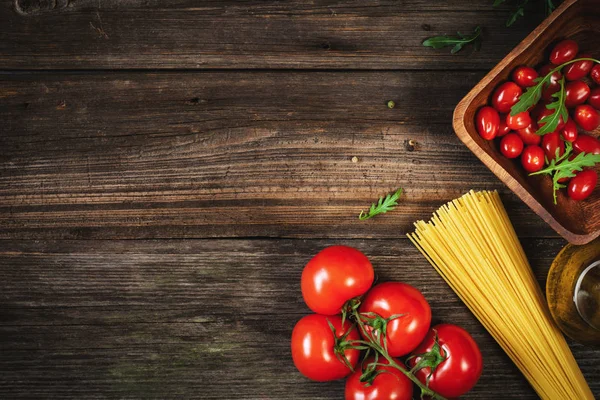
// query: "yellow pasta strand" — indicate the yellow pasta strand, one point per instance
point(473, 246)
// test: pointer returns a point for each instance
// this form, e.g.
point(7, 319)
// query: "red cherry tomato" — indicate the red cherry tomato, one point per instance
point(576, 92)
point(503, 129)
point(569, 131)
point(582, 185)
point(553, 83)
point(594, 99)
point(532, 158)
point(461, 369)
point(488, 122)
point(391, 384)
point(545, 113)
point(552, 142)
point(403, 333)
point(586, 144)
point(511, 145)
point(529, 136)
point(578, 69)
point(595, 74)
point(564, 51)
point(524, 76)
point(520, 121)
point(334, 276)
point(587, 117)
point(313, 347)
point(506, 96)
point(567, 179)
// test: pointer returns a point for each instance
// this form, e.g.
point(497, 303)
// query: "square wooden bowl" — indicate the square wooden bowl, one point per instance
point(578, 222)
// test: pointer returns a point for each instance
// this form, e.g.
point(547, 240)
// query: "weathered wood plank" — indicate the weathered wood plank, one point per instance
point(204, 319)
point(231, 154)
point(86, 34)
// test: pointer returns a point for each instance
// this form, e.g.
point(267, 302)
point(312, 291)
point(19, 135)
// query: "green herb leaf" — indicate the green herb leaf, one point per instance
point(382, 206)
point(457, 42)
point(530, 97)
point(498, 2)
point(518, 13)
point(562, 167)
point(550, 122)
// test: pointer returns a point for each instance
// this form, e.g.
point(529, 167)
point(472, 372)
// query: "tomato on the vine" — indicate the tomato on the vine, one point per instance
point(587, 117)
point(314, 347)
point(582, 185)
point(564, 51)
point(524, 76)
point(488, 122)
point(506, 96)
point(579, 69)
point(382, 383)
point(532, 158)
point(409, 312)
point(576, 92)
point(511, 145)
point(334, 276)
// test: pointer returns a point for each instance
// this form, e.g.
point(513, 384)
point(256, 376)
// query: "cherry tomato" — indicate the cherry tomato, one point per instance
point(576, 93)
point(532, 158)
point(511, 145)
point(503, 129)
point(403, 333)
point(528, 134)
point(553, 84)
point(586, 144)
point(564, 51)
point(506, 96)
point(569, 131)
point(578, 69)
point(587, 117)
point(595, 74)
point(334, 276)
point(391, 384)
point(524, 76)
point(582, 185)
point(520, 121)
point(567, 179)
point(552, 142)
point(488, 122)
point(594, 99)
point(313, 347)
point(545, 113)
point(461, 369)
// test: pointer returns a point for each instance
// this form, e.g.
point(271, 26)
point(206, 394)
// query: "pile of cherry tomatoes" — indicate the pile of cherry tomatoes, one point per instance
point(516, 134)
point(382, 322)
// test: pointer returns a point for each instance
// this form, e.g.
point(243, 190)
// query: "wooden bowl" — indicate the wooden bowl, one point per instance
point(576, 221)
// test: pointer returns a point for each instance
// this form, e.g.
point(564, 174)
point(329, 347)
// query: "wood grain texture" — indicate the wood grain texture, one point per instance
point(373, 34)
point(216, 154)
point(206, 319)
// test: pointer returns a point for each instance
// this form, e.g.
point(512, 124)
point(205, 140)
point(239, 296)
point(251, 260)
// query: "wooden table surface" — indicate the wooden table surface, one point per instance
point(167, 169)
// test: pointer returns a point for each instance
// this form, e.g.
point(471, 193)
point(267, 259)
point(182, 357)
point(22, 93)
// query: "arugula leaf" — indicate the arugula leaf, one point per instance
point(382, 206)
point(550, 122)
point(518, 13)
point(457, 42)
point(530, 97)
point(562, 167)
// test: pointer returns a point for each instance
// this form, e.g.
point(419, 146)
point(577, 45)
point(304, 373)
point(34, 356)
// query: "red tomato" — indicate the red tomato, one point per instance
point(587, 117)
point(532, 158)
point(586, 144)
point(511, 145)
point(503, 129)
point(595, 74)
point(520, 121)
point(582, 185)
point(578, 69)
point(552, 142)
point(566, 179)
point(564, 51)
point(545, 113)
point(488, 122)
point(524, 76)
point(461, 369)
point(391, 384)
point(528, 134)
point(594, 99)
point(404, 333)
point(506, 96)
point(553, 84)
point(334, 276)
point(576, 93)
point(569, 131)
point(313, 347)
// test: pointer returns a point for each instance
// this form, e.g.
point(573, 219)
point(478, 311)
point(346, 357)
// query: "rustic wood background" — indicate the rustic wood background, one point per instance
point(167, 168)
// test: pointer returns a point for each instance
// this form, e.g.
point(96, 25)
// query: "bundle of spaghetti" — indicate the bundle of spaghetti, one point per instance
point(473, 246)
